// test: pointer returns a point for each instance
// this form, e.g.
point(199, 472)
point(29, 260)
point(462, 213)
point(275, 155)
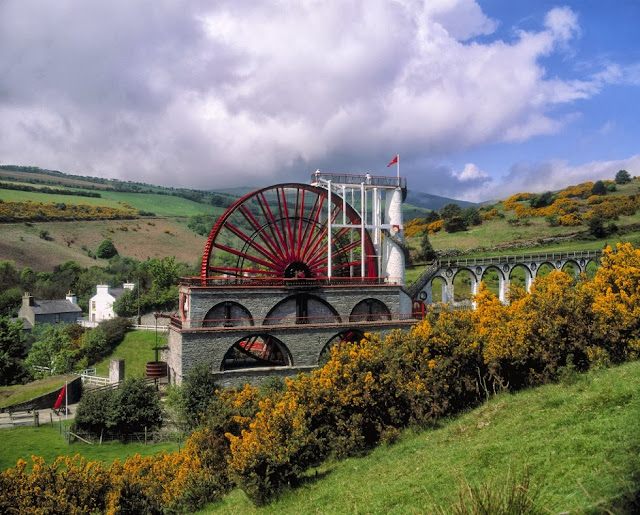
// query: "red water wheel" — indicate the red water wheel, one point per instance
point(283, 232)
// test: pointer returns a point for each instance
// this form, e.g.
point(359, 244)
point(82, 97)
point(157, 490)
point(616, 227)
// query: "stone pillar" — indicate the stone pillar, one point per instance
point(116, 370)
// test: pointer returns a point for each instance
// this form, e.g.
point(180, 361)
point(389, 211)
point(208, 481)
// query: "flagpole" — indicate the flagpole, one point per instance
point(398, 168)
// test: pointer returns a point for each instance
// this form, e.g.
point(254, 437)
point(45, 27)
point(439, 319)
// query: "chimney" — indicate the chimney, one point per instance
point(102, 288)
point(71, 297)
point(129, 286)
point(27, 299)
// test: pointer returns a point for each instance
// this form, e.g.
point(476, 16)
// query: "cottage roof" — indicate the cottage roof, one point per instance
point(46, 307)
point(116, 292)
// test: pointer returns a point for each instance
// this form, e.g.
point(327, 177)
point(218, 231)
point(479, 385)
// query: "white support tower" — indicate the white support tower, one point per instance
point(370, 196)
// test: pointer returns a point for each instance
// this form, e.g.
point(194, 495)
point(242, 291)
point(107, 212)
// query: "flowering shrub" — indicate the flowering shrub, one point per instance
point(570, 220)
point(434, 227)
point(266, 440)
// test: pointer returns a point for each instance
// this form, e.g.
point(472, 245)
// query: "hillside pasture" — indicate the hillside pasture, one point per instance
point(578, 440)
point(160, 205)
point(140, 239)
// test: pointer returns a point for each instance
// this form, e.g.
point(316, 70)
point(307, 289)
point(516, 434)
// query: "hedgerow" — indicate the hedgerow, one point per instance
point(266, 440)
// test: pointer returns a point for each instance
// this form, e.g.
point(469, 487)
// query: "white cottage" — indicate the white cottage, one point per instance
point(101, 304)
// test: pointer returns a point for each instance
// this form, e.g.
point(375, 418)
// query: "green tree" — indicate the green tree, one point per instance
point(455, 224)
point(471, 216)
point(542, 200)
point(450, 210)
point(596, 227)
point(133, 407)
point(95, 345)
point(130, 408)
point(52, 349)
point(426, 253)
point(106, 249)
point(599, 188)
point(13, 350)
point(623, 177)
point(197, 393)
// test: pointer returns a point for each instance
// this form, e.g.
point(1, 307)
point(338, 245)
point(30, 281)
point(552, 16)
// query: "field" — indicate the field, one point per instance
point(48, 442)
point(579, 440)
point(140, 239)
point(136, 349)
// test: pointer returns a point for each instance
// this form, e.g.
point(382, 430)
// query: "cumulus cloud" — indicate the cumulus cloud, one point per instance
point(215, 94)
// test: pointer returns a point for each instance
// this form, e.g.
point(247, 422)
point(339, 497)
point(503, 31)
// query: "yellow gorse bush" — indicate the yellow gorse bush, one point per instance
point(365, 394)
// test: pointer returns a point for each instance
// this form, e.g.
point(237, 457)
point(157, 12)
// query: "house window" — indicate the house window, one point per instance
point(93, 305)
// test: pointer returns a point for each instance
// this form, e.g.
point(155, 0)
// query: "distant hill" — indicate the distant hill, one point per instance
point(433, 202)
point(415, 204)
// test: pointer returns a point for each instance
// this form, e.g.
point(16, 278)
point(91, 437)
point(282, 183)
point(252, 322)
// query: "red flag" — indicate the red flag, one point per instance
point(58, 403)
point(393, 161)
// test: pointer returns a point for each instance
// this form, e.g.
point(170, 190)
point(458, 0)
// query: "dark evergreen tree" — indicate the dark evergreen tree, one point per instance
point(623, 177)
point(426, 253)
point(599, 188)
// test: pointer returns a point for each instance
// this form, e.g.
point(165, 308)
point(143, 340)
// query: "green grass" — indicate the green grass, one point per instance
point(136, 349)
point(47, 442)
point(20, 393)
point(161, 205)
point(579, 440)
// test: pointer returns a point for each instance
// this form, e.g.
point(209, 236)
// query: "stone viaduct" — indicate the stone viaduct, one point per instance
point(504, 266)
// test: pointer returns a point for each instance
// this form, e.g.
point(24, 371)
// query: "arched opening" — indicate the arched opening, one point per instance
point(256, 351)
point(520, 277)
point(302, 308)
point(463, 284)
point(228, 314)
point(591, 270)
point(544, 270)
point(492, 278)
point(437, 287)
point(350, 335)
point(369, 310)
point(572, 268)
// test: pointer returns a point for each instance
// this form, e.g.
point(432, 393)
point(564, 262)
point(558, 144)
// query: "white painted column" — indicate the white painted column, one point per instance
point(394, 266)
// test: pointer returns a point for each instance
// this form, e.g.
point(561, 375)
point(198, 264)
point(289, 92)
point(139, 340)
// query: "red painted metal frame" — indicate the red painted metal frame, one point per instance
point(286, 225)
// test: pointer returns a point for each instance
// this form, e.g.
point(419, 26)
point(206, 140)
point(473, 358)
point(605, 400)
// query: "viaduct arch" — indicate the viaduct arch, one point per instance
point(447, 270)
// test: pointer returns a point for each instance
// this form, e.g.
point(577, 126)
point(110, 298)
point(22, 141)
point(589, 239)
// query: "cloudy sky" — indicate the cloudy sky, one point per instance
point(480, 99)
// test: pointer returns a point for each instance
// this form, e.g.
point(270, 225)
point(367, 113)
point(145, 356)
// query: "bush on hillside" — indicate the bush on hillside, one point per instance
point(132, 407)
point(106, 249)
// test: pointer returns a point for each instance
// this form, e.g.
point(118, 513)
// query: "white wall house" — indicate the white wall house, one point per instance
point(101, 304)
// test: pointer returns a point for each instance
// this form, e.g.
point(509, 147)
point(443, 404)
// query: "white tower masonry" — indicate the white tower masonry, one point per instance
point(394, 262)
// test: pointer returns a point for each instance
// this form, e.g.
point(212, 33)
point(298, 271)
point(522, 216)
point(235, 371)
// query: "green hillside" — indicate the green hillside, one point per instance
point(579, 441)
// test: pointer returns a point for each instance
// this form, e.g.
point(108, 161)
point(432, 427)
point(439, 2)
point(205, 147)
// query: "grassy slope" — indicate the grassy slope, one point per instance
point(161, 205)
point(136, 349)
point(142, 239)
point(20, 393)
point(580, 441)
point(47, 442)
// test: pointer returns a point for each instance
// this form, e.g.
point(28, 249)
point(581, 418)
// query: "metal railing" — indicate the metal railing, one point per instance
point(263, 324)
point(537, 257)
point(356, 179)
point(288, 283)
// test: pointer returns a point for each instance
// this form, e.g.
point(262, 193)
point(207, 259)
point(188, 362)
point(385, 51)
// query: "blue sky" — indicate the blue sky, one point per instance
point(481, 99)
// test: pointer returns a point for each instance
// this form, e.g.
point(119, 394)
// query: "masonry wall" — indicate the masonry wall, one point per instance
point(273, 313)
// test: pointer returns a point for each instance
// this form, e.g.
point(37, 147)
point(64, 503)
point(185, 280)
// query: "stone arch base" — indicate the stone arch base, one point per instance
point(187, 348)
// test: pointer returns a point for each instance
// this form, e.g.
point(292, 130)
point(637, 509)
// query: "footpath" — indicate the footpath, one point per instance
point(44, 416)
